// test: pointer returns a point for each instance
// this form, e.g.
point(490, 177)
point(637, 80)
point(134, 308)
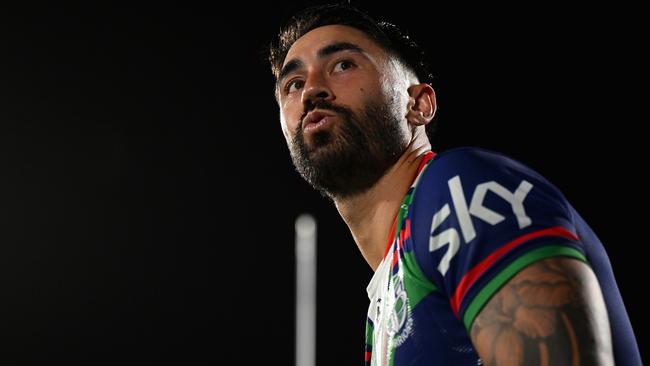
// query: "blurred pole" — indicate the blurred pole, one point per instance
point(305, 290)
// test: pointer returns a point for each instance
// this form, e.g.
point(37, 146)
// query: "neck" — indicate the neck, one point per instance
point(370, 215)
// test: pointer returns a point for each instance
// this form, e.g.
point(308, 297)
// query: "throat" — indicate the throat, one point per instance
point(374, 216)
point(371, 217)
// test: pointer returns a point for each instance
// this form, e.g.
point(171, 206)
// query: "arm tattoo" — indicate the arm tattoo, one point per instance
point(550, 313)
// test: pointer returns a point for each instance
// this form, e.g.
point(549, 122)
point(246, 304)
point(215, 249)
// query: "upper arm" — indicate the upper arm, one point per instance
point(552, 312)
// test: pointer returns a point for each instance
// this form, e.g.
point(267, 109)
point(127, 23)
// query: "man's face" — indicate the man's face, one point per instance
point(342, 105)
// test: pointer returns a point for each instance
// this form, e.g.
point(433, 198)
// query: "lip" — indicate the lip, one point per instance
point(314, 120)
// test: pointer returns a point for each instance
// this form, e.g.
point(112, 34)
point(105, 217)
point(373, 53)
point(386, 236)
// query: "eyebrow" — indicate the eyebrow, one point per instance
point(326, 51)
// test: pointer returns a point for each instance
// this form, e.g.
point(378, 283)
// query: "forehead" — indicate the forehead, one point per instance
point(308, 45)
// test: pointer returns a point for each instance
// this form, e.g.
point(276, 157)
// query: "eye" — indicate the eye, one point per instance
point(343, 65)
point(293, 85)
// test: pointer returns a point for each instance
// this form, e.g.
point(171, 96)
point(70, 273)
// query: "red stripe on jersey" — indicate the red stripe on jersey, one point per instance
point(395, 258)
point(407, 229)
point(472, 275)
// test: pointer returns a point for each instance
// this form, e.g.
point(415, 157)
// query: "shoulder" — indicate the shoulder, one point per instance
point(472, 182)
point(471, 166)
point(476, 161)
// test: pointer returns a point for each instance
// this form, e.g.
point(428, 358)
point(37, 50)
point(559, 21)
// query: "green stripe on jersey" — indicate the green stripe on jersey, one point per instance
point(417, 285)
point(512, 269)
point(369, 333)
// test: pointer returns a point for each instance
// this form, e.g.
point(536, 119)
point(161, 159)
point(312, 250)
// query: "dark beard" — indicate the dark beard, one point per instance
point(350, 157)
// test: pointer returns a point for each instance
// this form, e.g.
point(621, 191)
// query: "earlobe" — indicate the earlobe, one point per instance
point(422, 104)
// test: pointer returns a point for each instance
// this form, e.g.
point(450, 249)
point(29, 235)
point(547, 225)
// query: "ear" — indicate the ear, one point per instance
point(422, 104)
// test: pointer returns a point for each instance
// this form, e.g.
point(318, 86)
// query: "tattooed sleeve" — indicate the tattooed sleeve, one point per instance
point(550, 313)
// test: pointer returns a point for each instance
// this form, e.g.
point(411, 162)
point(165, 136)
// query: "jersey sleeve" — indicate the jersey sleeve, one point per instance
point(478, 218)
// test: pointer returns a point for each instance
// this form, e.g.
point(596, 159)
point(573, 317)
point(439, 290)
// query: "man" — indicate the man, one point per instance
point(477, 258)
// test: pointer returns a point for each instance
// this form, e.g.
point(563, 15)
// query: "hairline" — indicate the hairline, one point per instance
point(383, 45)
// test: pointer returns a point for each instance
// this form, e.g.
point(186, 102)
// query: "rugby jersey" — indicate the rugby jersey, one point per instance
point(470, 221)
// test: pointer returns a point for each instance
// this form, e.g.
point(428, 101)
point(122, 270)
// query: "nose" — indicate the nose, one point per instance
point(315, 88)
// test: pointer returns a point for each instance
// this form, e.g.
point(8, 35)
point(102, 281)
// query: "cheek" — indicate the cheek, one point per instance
point(288, 126)
point(289, 113)
point(285, 131)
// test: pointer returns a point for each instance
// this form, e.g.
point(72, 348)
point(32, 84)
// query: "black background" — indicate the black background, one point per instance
point(148, 198)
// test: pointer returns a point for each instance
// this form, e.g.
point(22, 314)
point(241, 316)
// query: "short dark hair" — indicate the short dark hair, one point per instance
point(386, 35)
